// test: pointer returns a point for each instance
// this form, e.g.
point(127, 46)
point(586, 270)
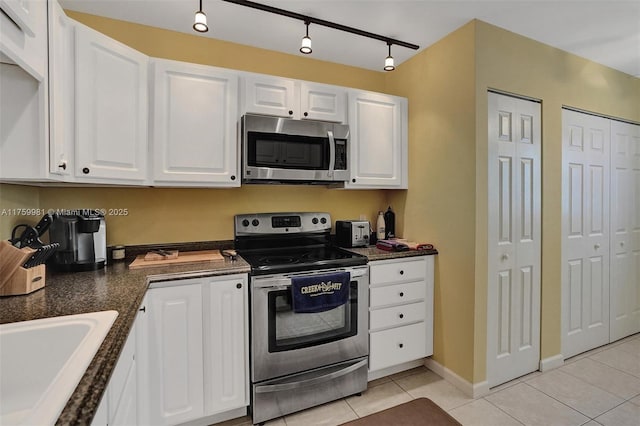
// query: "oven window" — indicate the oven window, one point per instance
point(287, 152)
point(290, 330)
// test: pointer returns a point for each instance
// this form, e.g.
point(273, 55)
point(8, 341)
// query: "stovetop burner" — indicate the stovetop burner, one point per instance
point(300, 259)
point(289, 242)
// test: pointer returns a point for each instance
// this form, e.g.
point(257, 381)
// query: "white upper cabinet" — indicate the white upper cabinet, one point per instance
point(323, 102)
point(61, 92)
point(111, 109)
point(23, 35)
point(263, 94)
point(194, 124)
point(378, 153)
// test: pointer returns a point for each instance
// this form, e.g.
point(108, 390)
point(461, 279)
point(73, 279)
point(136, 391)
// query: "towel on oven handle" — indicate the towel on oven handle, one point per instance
point(319, 293)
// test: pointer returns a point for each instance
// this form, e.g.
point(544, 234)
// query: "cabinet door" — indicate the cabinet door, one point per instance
point(322, 102)
point(270, 96)
point(61, 91)
point(226, 342)
point(194, 124)
point(23, 35)
point(175, 354)
point(378, 127)
point(111, 108)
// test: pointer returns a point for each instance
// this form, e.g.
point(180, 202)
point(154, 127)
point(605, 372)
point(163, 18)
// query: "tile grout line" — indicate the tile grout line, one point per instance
point(601, 388)
point(494, 405)
point(566, 405)
point(611, 366)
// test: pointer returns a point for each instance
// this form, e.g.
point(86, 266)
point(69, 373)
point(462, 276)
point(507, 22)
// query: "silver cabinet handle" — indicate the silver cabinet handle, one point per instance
point(596, 246)
point(505, 257)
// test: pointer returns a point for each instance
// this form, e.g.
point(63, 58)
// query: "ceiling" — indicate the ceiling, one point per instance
point(604, 31)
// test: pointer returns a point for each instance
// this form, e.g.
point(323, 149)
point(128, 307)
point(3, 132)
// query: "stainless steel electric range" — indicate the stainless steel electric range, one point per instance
point(300, 359)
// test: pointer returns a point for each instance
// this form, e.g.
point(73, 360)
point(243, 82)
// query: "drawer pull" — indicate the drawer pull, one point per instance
point(400, 345)
point(401, 272)
point(401, 316)
point(401, 294)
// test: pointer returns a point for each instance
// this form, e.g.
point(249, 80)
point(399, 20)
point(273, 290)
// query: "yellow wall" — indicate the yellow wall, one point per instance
point(447, 203)
point(13, 199)
point(516, 64)
point(200, 49)
point(440, 203)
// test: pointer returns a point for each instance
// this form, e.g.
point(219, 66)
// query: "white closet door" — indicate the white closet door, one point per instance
point(513, 329)
point(625, 230)
point(585, 232)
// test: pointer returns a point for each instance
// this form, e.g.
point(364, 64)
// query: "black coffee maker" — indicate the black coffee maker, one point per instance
point(82, 235)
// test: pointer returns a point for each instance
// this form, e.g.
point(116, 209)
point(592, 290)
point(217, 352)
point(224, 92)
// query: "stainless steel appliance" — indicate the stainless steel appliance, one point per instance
point(299, 360)
point(352, 233)
point(293, 151)
point(82, 235)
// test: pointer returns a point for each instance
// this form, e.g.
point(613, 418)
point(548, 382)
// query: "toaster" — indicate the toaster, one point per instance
point(352, 233)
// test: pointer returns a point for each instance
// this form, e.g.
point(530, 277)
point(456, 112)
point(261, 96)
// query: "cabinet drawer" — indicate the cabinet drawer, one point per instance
point(397, 345)
point(409, 270)
point(399, 293)
point(397, 315)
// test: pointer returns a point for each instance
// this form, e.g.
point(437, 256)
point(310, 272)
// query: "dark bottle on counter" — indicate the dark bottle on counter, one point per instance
point(390, 223)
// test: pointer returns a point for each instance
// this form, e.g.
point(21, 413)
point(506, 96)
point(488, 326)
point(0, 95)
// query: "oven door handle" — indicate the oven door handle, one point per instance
point(311, 382)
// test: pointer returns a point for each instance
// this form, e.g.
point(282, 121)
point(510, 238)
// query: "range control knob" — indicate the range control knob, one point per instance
point(314, 220)
point(323, 220)
point(255, 222)
point(245, 222)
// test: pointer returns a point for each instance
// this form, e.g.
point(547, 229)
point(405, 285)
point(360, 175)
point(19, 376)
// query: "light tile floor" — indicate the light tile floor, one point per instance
point(599, 387)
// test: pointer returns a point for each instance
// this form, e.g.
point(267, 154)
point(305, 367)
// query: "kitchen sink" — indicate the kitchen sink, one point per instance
point(42, 362)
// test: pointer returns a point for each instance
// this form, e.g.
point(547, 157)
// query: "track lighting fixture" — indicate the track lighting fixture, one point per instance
point(389, 65)
point(305, 47)
point(200, 21)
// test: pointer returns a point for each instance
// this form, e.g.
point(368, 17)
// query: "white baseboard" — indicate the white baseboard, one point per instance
point(473, 390)
point(217, 418)
point(373, 375)
point(551, 362)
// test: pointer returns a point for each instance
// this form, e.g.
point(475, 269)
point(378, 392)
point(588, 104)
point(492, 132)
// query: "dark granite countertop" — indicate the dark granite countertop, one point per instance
point(373, 253)
point(115, 287)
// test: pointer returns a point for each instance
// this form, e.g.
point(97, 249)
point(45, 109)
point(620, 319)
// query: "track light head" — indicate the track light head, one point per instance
point(305, 46)
point(200, 21)
point(389, 64)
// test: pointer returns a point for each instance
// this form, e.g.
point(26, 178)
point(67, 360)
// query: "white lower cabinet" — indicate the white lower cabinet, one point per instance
point(119, 405)
point(196, 361)
point(400, 311)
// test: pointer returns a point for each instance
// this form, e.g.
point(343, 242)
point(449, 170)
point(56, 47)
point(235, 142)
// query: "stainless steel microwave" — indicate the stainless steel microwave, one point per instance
point(284, 150)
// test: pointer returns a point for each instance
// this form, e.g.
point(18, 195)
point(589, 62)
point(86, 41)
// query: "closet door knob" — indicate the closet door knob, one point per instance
point(401, 294)
point(505, 257)
point(596, 246)
point(400, 345)
point(401, 316)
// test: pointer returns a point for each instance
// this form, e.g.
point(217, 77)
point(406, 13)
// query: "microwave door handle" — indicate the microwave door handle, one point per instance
point(332, 154)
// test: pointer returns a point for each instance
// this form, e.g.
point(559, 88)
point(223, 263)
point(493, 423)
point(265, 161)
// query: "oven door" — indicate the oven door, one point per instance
point(285, 342)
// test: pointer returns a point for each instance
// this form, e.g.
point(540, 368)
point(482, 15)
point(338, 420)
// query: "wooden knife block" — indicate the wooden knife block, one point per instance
point(14, 279)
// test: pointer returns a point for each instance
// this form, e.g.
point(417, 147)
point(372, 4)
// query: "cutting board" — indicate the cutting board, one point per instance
point(182, 259)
